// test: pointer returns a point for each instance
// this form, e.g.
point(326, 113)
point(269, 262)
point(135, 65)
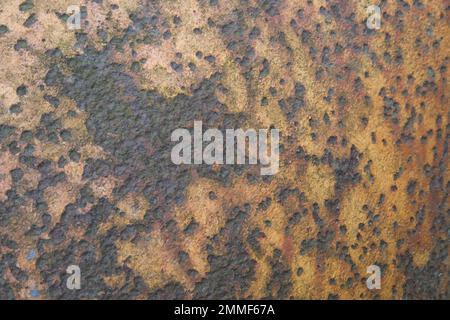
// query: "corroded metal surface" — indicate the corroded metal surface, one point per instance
point(85, 171)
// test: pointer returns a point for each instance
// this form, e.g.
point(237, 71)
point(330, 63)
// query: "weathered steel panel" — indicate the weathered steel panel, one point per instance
point(86, 176)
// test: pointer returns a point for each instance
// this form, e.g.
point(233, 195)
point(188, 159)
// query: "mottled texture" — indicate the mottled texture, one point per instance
point(86, 177)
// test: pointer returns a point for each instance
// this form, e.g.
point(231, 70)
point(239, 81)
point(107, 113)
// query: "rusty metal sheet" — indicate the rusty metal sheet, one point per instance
point(86, 177)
